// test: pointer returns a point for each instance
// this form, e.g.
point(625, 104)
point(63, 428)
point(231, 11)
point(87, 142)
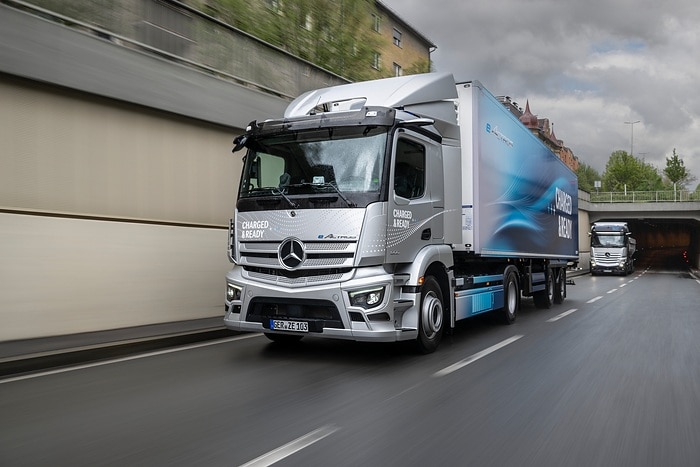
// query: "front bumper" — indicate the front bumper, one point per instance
point(326, 307)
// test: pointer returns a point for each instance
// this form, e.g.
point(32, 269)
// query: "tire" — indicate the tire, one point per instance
point(544, 298)
point(511, 296)
point(285, 339)
point(560, 287)
point(431, 316)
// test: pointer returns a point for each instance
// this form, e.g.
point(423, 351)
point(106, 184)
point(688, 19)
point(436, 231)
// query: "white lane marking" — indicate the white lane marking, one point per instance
point(126, 359)
point(462, 363)
point(592, 300)
point(292, 447)
point(624, 285)
point(613, 290)
point(562, 315)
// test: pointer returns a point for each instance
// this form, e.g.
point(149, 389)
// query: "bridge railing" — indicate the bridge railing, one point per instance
point(666, 196)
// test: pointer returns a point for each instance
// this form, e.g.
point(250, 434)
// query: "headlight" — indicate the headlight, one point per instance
point(367, 298)
point(232, 293)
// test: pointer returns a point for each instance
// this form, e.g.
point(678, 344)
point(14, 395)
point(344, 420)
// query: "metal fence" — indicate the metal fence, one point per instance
point(644, 196)
point(178, 32)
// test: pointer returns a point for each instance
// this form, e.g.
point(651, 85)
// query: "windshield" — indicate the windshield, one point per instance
point(608, 240)
point(344, 163)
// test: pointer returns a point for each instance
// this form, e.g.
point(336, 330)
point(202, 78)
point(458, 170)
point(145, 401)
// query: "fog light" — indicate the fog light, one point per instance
point(367, 298)
point(232, 293)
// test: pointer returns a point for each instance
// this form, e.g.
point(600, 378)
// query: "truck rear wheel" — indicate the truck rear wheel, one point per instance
point(511, 298)
point(544, 298)
point(431, 316)
point(560, 287)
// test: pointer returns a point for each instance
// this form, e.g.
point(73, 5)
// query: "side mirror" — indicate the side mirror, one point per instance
point(239, 143)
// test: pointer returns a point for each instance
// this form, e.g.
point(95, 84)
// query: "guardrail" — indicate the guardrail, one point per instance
point(673, 196)
point(178, 32)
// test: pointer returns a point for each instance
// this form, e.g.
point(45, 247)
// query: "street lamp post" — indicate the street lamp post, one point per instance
point(631, 124)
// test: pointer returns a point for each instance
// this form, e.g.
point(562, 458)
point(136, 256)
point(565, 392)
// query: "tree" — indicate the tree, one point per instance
point(624, 171)
point(676, 172)
point(587, 177)
point(334, 35)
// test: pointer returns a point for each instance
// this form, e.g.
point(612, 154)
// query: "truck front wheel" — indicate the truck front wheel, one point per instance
point(431, 316)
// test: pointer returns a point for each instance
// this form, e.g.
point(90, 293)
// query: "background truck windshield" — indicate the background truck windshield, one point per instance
point(607, 240)
point(349, 159)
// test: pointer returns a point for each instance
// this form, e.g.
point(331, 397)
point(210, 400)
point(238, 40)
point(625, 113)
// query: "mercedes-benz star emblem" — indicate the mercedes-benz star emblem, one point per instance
point(291, 253)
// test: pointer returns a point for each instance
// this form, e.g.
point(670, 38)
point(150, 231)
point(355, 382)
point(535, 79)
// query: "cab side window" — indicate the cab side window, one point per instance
point(409, 173)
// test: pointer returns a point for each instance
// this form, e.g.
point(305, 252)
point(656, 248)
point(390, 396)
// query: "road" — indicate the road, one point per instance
point(609, 378)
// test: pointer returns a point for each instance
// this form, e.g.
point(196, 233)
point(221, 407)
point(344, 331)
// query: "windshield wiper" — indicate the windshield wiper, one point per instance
point(335, 187)
point(286, 198)
point(325, 185)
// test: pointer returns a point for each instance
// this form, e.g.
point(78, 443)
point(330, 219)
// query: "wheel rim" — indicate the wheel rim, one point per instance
point(550, 288)
point(512, 298)
point(431, 315)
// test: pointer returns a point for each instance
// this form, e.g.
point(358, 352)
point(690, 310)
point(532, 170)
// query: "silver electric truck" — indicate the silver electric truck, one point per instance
point(612, 248)
point(389, 210)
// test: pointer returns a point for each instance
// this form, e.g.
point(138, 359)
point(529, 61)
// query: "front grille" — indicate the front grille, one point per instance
point(319, 255)
point(319, 313)
point(613, 259)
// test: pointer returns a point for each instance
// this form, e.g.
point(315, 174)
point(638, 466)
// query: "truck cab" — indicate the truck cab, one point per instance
point(612, 248)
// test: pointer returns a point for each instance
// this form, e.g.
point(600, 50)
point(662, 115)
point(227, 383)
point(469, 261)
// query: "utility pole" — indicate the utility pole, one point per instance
point(632, 136)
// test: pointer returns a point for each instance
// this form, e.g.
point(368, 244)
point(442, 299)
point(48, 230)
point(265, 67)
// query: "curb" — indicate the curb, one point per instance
point(29, 362)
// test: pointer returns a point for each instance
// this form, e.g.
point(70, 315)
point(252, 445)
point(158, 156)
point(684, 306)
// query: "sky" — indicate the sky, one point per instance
point(589, 66)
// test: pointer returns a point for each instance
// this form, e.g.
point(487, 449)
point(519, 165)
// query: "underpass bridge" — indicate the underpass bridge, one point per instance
point(666, 222)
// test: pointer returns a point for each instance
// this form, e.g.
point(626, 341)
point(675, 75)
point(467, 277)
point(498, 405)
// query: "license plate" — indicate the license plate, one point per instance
point(294, 326)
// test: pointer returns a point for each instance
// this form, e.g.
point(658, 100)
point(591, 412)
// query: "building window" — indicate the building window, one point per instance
point(274, 5)
point(376, 61)
point(398, 71)
point(397, 37)
point(306, 22)
point(377, 22)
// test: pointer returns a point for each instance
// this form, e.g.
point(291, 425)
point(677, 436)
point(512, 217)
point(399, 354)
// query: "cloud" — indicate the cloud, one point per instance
point(587, 66)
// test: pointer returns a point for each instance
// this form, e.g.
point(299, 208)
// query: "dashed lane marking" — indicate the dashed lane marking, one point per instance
point(561, 315)
point(462, 363)
point(290, 448)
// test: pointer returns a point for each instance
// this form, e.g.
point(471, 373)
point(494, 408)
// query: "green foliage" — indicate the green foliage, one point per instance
point(624, 171)
point(337, 36)
point(676, 172)
point(587, 176)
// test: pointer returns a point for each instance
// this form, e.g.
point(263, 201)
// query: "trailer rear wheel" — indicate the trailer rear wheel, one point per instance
point(560, 287)
point(544, 298)
point(431, 316)
point(511, 299)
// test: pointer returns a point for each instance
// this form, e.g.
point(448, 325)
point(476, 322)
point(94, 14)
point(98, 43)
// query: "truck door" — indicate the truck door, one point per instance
point(416, 197)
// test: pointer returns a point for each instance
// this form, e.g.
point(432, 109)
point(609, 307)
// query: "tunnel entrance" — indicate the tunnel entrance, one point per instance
point(664, 244)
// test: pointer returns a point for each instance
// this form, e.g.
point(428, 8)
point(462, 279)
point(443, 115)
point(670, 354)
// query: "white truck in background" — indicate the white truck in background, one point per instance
point(389, 210)
point(612, 248)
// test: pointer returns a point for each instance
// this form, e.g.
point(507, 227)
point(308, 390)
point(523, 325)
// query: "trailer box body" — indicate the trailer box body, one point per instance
point(518, 198)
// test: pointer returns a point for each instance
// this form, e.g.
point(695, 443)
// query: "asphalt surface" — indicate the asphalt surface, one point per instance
point(611, 377)
point(31, 355)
